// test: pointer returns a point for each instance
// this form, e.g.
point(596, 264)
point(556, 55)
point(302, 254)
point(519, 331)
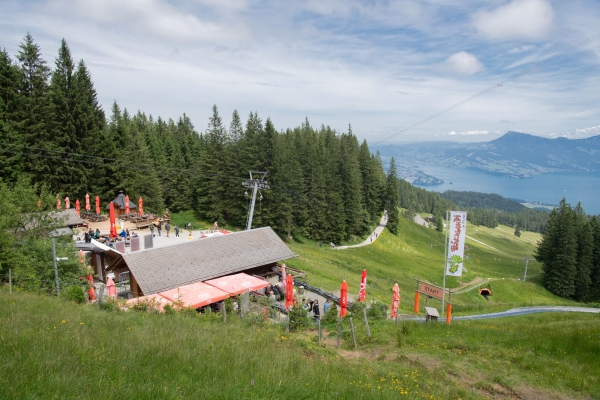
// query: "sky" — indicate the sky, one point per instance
point(379, 66)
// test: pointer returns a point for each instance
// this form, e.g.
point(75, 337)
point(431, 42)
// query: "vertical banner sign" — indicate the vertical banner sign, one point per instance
point(456, 243)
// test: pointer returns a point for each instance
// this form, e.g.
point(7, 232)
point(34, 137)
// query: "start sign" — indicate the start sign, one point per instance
point(431, 290)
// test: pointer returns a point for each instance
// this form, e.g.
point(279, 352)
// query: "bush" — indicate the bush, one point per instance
point(110, 304)
point(331, 316)
point(298, 318)
point(377, 311)
point(75, 294)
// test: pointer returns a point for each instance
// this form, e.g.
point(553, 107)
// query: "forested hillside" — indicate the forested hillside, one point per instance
point(324, 184)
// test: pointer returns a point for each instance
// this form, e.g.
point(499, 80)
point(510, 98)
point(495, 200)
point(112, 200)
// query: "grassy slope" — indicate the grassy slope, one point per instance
point(418, 252)
point(50, 348)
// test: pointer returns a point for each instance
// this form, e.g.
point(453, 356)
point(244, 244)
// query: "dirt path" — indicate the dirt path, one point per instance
point(372, 237)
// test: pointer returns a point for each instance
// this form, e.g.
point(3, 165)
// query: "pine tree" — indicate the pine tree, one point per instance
point(557, 251)
point(392, 198)
point(211, 191)
point(12, 161)
point(65, 176)
point(517, 231)
point(357, 219)
point(90, 122)
point(585, 255)
point(34, 88)
point(594, 294)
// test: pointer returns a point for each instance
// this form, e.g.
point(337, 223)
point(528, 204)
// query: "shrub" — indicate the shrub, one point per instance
point(298, 318)
point(331, 316)
point(110, 304)
point(74, 293)
point(377, 311)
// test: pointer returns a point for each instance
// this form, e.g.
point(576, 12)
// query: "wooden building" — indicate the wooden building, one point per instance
point(254, 252)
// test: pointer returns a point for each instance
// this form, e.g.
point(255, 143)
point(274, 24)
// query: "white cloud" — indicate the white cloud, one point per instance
point(464, 63)
point(521, 49)
point(517, 20)
point(469, 133)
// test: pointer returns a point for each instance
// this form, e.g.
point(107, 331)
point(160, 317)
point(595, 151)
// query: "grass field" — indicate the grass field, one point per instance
point(53, 349)
point(493, 260)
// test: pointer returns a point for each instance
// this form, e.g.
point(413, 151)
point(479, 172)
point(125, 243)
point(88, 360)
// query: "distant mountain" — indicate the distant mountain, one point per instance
point(514, 154)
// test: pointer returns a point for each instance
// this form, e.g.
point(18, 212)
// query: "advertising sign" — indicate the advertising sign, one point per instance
point(431, 290)
point(456, 243)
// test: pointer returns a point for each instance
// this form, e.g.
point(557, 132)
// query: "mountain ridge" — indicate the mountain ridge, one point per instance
point(514, 154)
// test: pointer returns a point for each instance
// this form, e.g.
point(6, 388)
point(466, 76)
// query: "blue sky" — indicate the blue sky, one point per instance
point(378, 65)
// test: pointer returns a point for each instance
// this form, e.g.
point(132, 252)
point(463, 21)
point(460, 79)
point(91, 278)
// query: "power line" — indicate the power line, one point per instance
point(489, 89)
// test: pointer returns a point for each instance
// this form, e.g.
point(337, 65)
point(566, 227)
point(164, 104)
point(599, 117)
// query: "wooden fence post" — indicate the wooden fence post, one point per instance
point(224, 307)
point(353, 335)
point(319, 322)
point(367, 322)
point(339, 332)
point(10, 280)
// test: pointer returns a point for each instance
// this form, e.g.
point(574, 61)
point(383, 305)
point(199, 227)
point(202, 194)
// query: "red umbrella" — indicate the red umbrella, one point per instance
point(343, 299)
point(283, 276)
point(87, 202)
point(362, 293)
point(91, 291)
point(97, 205)
point(140, 209)
point(113, 228)
point(112, 290)
point(67, 203)
point(289, 292)
point(127, 205)
point(395, 301)
point(57, 203)
point(39, 203)
point(77, 207)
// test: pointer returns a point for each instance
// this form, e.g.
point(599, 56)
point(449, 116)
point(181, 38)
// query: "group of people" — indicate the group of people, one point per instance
point(89, 235)
point(159, 227)
point(312, 307)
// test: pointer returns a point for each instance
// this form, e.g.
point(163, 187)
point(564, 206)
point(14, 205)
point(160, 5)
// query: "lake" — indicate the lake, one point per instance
point(547, 188)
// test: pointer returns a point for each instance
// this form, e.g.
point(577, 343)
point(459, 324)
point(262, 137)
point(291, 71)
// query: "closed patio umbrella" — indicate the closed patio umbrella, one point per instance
point(362, 293)
point(87, 202)
point(112, 289)
point(283, 276)
point(67, 203)
point(91, 290)
point(289, 292)
point(343, 299)
point(77, 207)
point(395, 300)
point(57, 203)
point(140, 209)
point(113, 227)
point(97, 205)
point(127, 205)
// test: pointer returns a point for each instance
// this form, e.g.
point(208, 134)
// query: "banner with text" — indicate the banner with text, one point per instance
point(456, 243)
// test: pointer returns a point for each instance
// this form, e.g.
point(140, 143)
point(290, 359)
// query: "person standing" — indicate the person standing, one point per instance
point(159, 227)
point(316, 311)
point(167, 228)
point(152, 229)
point(176, 231)
point(326, 306)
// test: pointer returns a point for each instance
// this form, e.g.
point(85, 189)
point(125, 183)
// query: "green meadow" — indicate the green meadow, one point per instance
point(494, 259)
point(52, 348)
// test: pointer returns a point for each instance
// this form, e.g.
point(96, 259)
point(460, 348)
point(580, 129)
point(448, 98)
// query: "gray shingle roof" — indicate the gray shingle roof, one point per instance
point(61, 218)
point(120, 202)
point(169, 267)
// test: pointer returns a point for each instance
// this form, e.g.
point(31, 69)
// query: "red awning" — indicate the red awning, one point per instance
point(238, 283)
point(195, 295)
